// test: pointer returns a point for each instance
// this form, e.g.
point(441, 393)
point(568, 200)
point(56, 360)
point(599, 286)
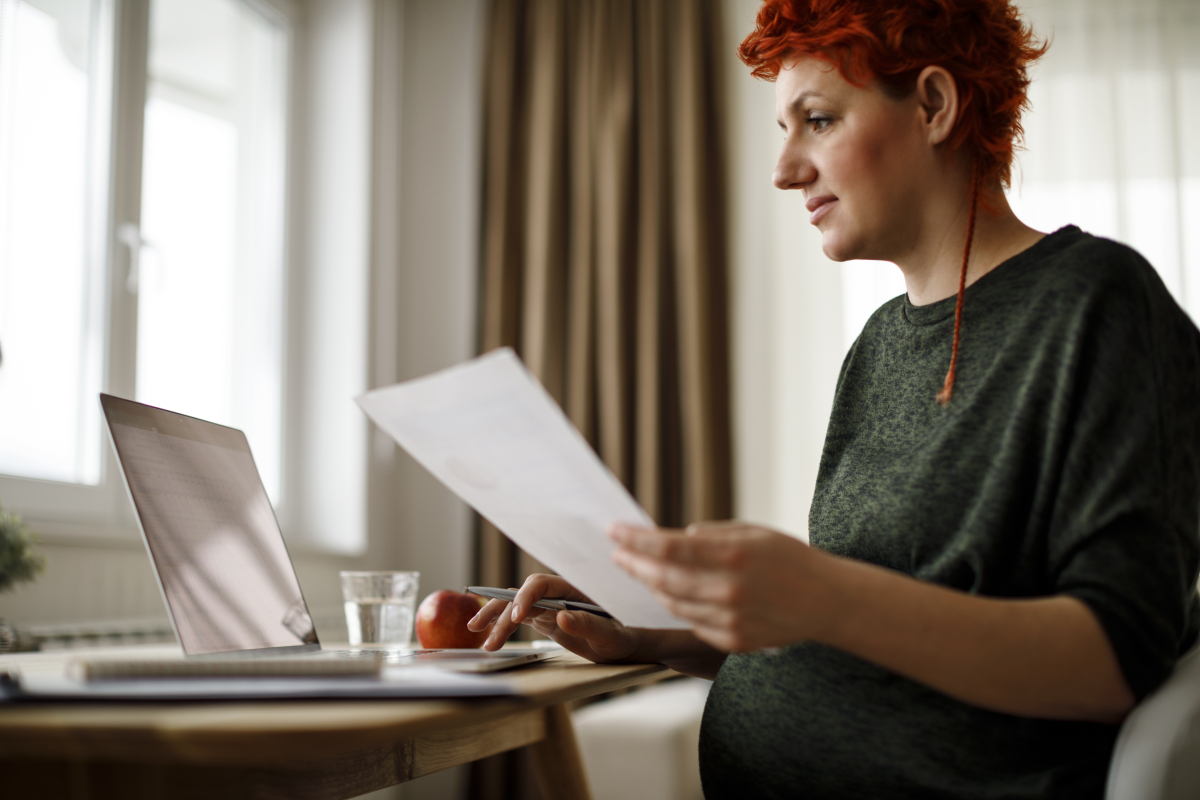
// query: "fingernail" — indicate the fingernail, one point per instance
point(516, 613)
point(614, 530)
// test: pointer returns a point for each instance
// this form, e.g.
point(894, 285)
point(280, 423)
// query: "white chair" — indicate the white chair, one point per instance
point(644, 745)
point(1157, 756)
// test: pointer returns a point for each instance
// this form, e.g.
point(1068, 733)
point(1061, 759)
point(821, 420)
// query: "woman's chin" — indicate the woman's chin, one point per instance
point(850, 245)
point(836, 248)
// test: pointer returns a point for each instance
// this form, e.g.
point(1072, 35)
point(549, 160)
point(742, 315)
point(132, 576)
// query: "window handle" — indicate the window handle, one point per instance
point(130, 235)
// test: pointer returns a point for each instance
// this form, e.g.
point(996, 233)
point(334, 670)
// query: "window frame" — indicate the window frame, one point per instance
point(120, 36)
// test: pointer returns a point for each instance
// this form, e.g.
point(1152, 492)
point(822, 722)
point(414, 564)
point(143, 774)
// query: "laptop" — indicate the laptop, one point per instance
point(219, 556)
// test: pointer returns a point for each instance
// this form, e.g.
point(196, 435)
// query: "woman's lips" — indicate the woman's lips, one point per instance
point(818, 207)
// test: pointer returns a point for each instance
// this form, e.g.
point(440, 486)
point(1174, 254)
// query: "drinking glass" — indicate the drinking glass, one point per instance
point(380, 606)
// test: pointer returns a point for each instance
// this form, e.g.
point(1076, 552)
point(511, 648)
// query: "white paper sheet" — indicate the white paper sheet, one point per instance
point(490, 432)
point(396, 682)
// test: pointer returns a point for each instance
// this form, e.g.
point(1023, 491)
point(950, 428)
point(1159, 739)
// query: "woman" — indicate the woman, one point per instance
point(1004, 528)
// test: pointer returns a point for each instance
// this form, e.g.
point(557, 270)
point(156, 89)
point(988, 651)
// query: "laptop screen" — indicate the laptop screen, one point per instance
point(212, 536)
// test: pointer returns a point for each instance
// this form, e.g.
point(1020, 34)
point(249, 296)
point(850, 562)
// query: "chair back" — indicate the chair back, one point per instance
point(1157, 756)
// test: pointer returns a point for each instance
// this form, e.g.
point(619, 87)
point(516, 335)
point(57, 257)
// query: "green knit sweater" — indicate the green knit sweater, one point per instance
point(1068, 462)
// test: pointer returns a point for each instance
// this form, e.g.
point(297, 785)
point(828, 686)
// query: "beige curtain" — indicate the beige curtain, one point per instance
point(604, 252)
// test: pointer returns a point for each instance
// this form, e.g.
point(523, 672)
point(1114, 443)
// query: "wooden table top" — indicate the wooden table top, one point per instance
point(258, 732)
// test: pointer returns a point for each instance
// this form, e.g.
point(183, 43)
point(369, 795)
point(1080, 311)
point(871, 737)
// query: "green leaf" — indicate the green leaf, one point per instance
point(18, 560)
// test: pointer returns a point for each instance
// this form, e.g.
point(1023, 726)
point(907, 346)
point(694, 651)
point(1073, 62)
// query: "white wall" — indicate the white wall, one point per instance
point(787, 311)
point(428, 84)
point(438, 258)
point(329, 327)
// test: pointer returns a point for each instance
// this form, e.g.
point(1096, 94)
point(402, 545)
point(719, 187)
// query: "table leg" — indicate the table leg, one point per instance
point(557, 760)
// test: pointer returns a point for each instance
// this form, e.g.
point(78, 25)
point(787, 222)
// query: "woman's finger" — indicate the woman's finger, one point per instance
point(510, 616)
point(599, 632)
point(487, 615)
point(720, 638)
point(537, 587)
point(647, 570)
point(701, 547)
point(713, 615)
point(674, 579)
point(505, 626)
point(501, 629)
point(593, 636)
point(535, 614)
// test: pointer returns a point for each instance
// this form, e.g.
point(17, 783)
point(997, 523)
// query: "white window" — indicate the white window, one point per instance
point(48, 283)
point(1112, 142)
point(210, 287)
point(1113, 139)
point(143, 146)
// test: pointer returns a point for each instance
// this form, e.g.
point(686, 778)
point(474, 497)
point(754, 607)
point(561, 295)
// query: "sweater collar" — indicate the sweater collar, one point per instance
point(932, 313)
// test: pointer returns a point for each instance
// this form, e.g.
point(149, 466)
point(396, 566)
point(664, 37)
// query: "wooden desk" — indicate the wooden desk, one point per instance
point(304, 749)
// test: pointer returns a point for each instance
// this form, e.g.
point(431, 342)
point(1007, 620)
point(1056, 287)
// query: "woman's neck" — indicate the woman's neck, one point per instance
point(933, 274)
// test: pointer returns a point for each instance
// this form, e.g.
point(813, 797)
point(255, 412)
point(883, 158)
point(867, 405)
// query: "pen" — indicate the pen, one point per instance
point(550, 604)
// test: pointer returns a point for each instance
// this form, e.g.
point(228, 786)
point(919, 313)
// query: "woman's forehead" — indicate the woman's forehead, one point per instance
point(806, 77)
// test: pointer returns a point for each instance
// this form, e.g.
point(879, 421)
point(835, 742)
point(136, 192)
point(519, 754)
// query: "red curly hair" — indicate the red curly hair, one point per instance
point(984, 44)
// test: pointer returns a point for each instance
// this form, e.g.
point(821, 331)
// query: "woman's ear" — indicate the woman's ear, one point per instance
point(937, 94)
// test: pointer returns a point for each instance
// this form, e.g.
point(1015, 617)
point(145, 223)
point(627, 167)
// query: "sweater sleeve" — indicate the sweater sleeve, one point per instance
point(1138, 578)
point(1126, 535)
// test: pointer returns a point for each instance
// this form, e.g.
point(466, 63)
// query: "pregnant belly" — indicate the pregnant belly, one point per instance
point(812, 722)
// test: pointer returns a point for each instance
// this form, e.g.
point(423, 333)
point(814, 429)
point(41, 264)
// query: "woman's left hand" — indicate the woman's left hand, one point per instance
point(742, 587)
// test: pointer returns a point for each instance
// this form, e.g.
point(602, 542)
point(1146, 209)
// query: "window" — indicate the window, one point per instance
point(47, 285)
point(1112, 142)
point(210, 282)
point(141, 243)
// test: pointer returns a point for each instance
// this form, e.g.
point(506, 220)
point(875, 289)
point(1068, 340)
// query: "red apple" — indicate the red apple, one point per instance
point(442, 620)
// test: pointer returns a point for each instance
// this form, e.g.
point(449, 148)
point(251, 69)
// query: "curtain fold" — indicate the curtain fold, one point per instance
point(603, 250)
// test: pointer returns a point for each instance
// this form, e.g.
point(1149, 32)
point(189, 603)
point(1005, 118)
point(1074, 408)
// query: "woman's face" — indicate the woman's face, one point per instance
point(861, 158)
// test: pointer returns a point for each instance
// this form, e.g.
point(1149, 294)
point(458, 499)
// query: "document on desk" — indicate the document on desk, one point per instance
point(396, 682)
point(490, 432)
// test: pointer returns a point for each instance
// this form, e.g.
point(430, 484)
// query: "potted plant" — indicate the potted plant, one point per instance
point(18, 563)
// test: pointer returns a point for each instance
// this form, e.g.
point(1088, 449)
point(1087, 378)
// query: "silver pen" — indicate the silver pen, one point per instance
point(550, 604)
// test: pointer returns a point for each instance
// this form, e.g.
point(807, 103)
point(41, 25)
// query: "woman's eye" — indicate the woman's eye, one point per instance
point(818, 123)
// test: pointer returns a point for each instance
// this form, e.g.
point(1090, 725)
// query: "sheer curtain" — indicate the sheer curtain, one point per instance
point(1112, 142)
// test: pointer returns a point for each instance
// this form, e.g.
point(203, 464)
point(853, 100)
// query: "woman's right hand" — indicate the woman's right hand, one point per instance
point(596, 638)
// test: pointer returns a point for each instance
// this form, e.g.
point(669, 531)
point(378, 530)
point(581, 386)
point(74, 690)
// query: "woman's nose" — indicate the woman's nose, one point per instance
point(793, 170)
